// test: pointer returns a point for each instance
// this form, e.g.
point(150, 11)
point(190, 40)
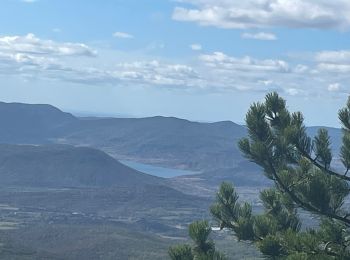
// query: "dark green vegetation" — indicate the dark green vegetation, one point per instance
point(304, 179)
point(203, 247)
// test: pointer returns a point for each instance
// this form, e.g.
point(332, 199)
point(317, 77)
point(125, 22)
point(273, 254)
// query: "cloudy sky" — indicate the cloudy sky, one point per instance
point(205, 60)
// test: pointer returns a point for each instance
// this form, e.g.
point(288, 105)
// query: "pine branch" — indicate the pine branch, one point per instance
point(329, 251)
point(303, 204)
point(321, 167)
point(300, 181)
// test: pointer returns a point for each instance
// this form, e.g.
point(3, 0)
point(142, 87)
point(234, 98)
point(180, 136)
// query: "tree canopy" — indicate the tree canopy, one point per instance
point(301, 170)
point(203, 248)
point(304, 179)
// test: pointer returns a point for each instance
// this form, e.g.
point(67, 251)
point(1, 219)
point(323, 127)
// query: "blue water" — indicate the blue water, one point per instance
point(157, 170)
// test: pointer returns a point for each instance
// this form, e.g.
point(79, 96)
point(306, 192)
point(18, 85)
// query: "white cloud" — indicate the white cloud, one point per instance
point(46, 59)
point(259, 36)
point(334, 87)
point(123, 35)
point(220, 60)
point(225, 72)
point(292, 91)
point(334, 68)
point(31, 57)
point(196, 47)
point(156, 73)
point(31, 45)
point(266, 82)
point(222, 72)
point(333, 61)
point(320, 14)
point(301, 68)
point(141, 73)
point(335, 57)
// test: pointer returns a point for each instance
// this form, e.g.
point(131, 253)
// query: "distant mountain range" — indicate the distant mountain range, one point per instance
point(166, 141)
point(176, 143)
point(170, 142)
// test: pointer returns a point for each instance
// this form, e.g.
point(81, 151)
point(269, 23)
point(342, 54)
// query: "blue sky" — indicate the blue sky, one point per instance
point(204, 60)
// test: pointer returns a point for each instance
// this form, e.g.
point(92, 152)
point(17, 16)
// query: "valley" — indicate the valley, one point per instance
point(107, 188)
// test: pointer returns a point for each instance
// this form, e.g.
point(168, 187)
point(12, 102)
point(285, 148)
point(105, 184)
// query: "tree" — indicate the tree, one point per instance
point(203, 247)
point(304, 179)
point(181, 252)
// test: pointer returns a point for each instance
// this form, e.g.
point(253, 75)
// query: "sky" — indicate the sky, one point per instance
point(202, 60)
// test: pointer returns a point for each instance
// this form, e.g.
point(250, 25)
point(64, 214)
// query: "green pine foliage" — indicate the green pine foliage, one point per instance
point(301, 170)
point(203, 248)
point(181, 252)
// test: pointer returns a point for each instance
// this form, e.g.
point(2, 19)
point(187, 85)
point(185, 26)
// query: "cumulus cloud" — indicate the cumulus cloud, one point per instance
point(334, 87)
point(266, 82)
point(156, 73)
point(31, 45)
point(301, 68)
point(46, 59)
point(123, 35)
point(334, 68)
point(292, 91)
point(33, 57)
point(333, 61)
point(259, 36)
point(335, 57)
point(220, 60)
point(224, 72)
point(30, 55)
point(196, 47)
point(320, 14)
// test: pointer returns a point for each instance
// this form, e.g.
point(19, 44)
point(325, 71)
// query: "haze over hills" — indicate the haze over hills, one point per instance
point(60, 172)
point(48, 191)
point(166, 141)
point(66, 166)
point(158, 140)
point(27, 123)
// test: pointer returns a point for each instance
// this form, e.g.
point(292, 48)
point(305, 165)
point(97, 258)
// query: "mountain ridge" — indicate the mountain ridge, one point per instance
point(166, 141)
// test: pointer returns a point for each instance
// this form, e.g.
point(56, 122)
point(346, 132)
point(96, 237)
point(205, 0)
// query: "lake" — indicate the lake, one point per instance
point(157, 170)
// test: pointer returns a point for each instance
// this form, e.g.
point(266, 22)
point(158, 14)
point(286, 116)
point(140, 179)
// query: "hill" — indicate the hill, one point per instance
point(165, 141)
point(65, 166)
point(27, 123)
